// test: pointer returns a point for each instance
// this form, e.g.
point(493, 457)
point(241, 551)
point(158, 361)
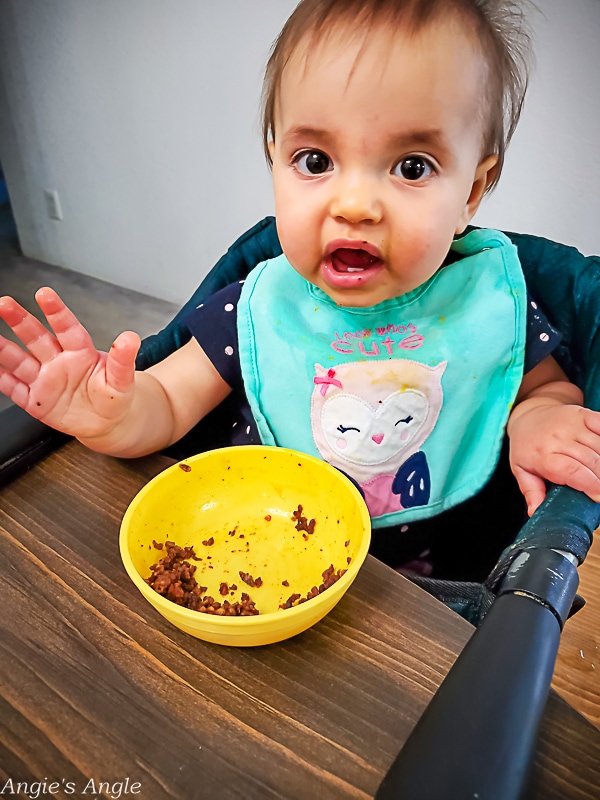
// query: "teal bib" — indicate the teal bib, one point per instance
point(409, 398)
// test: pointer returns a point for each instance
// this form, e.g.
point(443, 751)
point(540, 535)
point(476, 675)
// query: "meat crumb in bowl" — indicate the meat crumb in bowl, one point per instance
point(237, 509)
point(173, 578)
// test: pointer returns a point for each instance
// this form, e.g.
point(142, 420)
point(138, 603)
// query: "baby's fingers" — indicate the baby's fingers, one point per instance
point(580, 471)
point(70, 333)
point(532, 487)
point(592, 420)
point(36, 338)
point(18, 362)
point(120, 362)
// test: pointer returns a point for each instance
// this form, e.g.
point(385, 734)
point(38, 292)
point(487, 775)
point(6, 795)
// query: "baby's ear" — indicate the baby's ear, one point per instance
point(484, 175)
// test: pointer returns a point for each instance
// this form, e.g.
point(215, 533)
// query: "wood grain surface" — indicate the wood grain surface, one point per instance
point(577, 673)
point(95, 685)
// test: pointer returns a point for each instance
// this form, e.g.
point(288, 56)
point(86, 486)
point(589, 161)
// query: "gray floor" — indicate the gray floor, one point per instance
point(103, 308)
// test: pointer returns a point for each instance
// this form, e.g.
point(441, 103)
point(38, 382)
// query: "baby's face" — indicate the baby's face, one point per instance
point(377, 159)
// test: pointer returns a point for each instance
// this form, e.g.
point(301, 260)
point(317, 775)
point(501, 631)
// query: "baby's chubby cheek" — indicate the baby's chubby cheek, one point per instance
point(411, 253)
point(423, 254)
point(301, 249)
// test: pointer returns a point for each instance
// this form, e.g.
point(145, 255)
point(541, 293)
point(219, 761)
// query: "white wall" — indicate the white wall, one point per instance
point(551, 183)
point(143, 115)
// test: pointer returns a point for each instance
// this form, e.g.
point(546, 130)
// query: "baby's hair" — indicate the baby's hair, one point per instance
point(499, 25)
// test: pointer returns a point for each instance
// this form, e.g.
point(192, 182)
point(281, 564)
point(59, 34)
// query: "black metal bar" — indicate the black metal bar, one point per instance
point(477, 736)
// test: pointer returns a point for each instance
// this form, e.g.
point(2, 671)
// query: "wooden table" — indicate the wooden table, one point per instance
point(577, 672)
point(96, 686)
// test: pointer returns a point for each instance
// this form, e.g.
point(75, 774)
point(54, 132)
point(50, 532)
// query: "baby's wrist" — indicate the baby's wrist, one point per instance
point(561, 393)
point(109, 441)
point(556, 393)
point(525, 406)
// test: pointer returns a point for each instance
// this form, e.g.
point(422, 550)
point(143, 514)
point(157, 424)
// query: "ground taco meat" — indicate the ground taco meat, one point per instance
point(173, 578)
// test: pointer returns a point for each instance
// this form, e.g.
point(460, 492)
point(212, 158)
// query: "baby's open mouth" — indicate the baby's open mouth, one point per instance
point(346, 259)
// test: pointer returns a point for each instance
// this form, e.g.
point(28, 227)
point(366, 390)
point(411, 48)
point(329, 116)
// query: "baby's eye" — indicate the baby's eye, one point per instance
point(312, 162)
point(413, 168)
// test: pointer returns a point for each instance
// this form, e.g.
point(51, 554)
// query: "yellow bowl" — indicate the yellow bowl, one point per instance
point(244, 499)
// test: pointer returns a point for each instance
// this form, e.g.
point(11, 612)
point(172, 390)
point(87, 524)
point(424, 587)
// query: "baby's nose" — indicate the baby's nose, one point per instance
point(356, 199)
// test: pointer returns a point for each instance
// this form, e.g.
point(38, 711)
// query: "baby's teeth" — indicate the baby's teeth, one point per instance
point(354, 269)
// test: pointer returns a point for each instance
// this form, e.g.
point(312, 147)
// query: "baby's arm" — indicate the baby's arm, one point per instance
point(552, 437)
point(61, 379)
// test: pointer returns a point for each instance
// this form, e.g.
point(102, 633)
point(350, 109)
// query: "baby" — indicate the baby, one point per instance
point(382, 339)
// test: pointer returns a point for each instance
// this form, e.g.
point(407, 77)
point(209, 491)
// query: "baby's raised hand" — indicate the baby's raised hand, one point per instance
point(551, 441)
point(60, 377)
